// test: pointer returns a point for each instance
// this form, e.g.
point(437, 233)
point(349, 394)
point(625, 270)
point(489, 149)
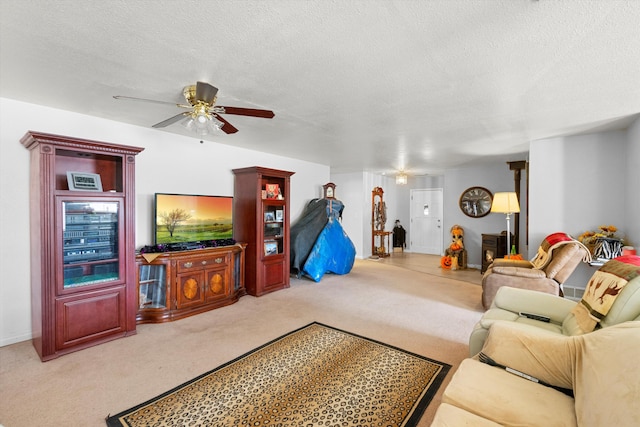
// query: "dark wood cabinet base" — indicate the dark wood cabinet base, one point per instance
point(175, 285)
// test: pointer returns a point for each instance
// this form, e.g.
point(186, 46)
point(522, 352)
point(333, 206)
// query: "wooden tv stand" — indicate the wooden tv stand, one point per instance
point(175, 285)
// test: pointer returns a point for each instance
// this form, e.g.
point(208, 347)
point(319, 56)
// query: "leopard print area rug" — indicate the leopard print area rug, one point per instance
point(314, 376)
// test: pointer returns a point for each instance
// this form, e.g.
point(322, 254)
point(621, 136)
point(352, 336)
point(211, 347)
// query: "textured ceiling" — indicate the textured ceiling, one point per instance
point(358, 85)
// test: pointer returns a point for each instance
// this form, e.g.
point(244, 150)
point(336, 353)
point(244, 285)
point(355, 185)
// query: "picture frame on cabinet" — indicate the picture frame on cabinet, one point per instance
point(270, 247)
point(273, 191)
point(272, 230)
point(279, 215)
point(84, 181)
point(269, 217)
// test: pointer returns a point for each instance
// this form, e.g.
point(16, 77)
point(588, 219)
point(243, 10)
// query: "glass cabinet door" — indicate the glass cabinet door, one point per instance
point(152, 286)
point(273, 231)
point(90, 242)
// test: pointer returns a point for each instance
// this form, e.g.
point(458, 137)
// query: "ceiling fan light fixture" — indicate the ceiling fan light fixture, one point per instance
point(201, 119)
point(188, 123)
point(217, 124)
point(202, 115)
point(202, 124)
point(198, 123)
point(401, 178)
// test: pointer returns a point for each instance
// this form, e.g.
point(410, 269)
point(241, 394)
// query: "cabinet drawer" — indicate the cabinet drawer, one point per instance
point(202, 263)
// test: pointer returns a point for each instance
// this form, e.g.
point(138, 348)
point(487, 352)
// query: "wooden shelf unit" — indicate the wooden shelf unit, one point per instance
point(82, 244)
point(261, 218)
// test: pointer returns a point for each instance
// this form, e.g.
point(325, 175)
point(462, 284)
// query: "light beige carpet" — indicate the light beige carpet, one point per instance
point(422, 313)
point(430, 264)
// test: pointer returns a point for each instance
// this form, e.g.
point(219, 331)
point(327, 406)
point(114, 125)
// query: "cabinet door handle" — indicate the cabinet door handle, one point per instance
point(204, 262)
point(218, 260)
point(188, 264)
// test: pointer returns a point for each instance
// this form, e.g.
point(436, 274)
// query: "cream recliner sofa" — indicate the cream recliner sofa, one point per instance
point(600, 369)
point(509, 303)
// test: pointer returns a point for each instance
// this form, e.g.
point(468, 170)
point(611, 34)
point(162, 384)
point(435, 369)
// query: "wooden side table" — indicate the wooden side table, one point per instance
point(493, 246)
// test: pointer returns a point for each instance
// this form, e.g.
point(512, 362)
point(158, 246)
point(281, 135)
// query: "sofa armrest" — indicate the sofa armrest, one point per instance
point(565, 261)
point(506, 262)
point(518, 300)
point(548, 357)
point(529, 273)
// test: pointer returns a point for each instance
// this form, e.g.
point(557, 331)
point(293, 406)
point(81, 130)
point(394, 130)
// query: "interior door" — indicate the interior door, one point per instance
point(425, 234)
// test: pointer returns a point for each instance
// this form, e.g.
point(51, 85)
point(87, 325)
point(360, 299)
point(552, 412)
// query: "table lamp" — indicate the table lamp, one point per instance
point(506, 203)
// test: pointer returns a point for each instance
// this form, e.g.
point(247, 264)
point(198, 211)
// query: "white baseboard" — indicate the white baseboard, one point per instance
point(573, 293)
point(13, 340)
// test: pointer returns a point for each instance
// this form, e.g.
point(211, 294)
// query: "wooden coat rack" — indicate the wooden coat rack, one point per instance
point(378, 221)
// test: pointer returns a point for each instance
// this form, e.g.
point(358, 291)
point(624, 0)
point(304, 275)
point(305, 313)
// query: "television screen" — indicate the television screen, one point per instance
point(185, 218)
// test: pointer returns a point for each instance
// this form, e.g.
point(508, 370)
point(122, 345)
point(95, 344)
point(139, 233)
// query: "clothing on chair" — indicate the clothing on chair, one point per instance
point(399, 237)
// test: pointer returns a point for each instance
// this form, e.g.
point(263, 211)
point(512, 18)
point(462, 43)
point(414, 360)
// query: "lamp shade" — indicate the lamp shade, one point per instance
point(506, 202)
point(202, 123)
point(401, 178)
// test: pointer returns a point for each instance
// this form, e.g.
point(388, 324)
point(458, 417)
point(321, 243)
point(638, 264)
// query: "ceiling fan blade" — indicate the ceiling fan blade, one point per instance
point(132, 98)
point(254, 112)
point(227, 127)
point(205, 92)
point(170, 120)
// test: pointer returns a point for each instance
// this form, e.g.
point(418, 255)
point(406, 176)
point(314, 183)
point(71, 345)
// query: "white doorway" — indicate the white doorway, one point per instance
point(425, 232)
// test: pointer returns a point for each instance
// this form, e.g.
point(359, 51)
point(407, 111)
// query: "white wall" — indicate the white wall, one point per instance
point(576, 183)
point(580, 182)
point(169, 163)
point(632, 200)
point(349, 190)
point(494, 177)
point(354, 190)
point(403, 201)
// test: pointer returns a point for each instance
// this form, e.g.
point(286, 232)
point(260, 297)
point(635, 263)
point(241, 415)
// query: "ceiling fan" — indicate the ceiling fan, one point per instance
point(203, 115)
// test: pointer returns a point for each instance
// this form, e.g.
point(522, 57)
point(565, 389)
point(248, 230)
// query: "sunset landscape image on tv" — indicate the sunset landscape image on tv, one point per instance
point(183, 218)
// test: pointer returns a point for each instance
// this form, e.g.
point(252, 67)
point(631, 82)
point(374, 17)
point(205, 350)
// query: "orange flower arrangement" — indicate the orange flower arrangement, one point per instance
point(586, 236)
point(591, 238)
point(606, 231)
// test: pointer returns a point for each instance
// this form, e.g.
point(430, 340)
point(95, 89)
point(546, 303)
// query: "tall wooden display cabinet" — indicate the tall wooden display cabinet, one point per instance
point(261, 219)
point(82, 219)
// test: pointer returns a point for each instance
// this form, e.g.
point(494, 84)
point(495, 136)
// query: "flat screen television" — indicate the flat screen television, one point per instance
point(190, 218)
